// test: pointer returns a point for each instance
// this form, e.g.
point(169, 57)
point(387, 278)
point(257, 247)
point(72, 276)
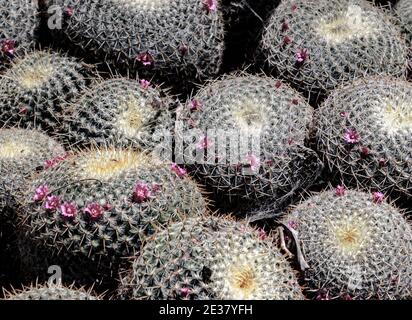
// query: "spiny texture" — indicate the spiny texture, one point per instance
point(249, 134)
point(404, 12)
point(119, 110)
point(94, 208)
point(178, 39)
point(364, 134)
point(52, 292)
point(318, 44)
point(210, 258)
point(34, 91)
point(18, 23)
point(356, 245)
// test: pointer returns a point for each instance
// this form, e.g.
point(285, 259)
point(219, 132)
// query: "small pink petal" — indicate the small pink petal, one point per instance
point(340, 191)
point(203, 143)
point(301, 56)
point(68, 210)
point(52, 203)
point(253, 161)
point(377, 197)
point(94, 210)
point(351, 136)
point(145, 58)
point(41, 193)
point(144, 84)
point(141, 192)
point(210, 5)
point(181, 172)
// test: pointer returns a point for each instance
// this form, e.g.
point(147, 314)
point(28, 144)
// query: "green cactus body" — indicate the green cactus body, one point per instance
point(51, 292)
point(210, 258)
point(94, 208)
point(119, 110)
point(364, 134)
point(178, 39)
point(34, 90)
point(261, 119)
point(317, 45)
point(18, 24)
point(356, 245)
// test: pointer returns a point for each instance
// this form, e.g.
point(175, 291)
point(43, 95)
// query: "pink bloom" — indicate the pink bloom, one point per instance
point(8, 47)
point(210, 5)
point(52, 203)
point(203, 143)
point(141, 192)
point(68, 12)
point(145, 58)
point(285, 26)
point(286, 40)
point(343, 114)
point(194, 105)
point(181, 172)
point(382, 162)
point(261, 234)
point(184, 292)
point(377, 197)
point(340, 191)
point(144, 84)
point(294, 7)
point(52, 162)
point(295, 101)
point(278, 84)
point(253, 162)
point(301, 56)
point(41, 193)
point(156, 187)
point(292, 225)
point(351, 136)
point(94, 210)
point(68, 210)
point(322, 295)
point(364, 151)
point(184, 49)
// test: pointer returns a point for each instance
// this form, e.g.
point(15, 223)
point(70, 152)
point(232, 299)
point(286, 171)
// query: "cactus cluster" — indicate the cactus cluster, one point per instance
point(35, 90)
point(250, 132)
point(364, 134)
point(356, 245)
point(51, 292)
point(18, 25)
point(404, 12)
point(119, 110)
point(178, 39)
point(94, 208)
point(210, 258)
point(318, 44)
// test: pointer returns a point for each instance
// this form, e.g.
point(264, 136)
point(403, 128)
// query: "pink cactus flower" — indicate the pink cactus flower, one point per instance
point(278, 84)
point(295, 101)
point(285, 26)
point(203, 143)
point(145, 58)
point(294, 7)
point(144, 84)
point(340, 191)
point(262, 234)
point(286, 40)
point(68, 12)
point(8, 47)
point(183, 49)
point(184, 292)
point(141, 192)
point(210, 5)
point(41, 193)
point(377, 197)
point(94, 210)
point(364, 151)
point(351, 136)
point(253, 161)
point(68, 210)
point(322, 294)
point(343, 114)
point(53, 162)
point(292, 224)
point(52, 203)
point(181, 172)
point(301, 56)
point(382, 162)
point(156, 187)
point(194, 105)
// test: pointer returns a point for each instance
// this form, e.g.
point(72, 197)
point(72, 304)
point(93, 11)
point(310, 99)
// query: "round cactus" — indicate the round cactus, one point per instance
point(18, 24)
point(119, 110)
point(148, 36)
point(34, 91)
point(210, 258)
point(356, 245)
point(52, 292)
point(364, 134)
point(94, 208)
point(318, 44)
point(250, 134)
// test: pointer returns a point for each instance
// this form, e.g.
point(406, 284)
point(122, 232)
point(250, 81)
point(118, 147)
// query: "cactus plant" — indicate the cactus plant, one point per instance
point(317, 45)
point(404, 12)
point(357, 245)
point(364, 134)
point(148, 36)
point(95, 207)
point(119, 110)
point(51, 292)
point(210, 258)
point(18, 24)
point(257, 150)
point(34, 91)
